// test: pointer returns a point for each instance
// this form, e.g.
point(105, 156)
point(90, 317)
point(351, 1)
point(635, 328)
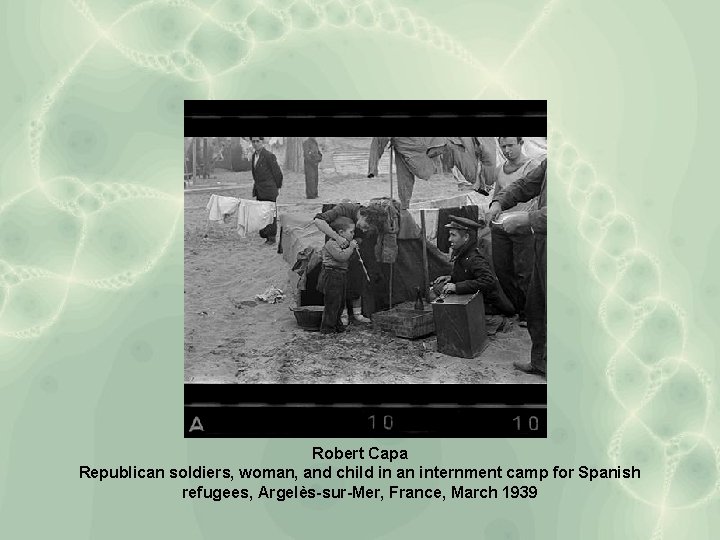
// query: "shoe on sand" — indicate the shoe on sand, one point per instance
point(527, 367)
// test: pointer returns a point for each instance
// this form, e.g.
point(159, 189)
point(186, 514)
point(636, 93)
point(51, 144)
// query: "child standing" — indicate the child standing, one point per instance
point(332, 281)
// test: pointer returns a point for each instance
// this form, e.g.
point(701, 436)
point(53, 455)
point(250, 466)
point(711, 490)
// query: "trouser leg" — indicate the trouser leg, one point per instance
point(311, 181)
point(405, 182)
point(269, 231)
point(536, 307)
point(350, 308)
point(502, 257)
point(334, 292)
point(523, 262)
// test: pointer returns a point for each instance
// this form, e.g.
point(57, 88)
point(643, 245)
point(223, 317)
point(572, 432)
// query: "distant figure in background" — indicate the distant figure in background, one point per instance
point(267, 178)
point(513, 254)
point(312, 156)
point(533, 184)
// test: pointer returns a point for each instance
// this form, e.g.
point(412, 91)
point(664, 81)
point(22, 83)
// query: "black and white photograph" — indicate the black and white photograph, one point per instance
point(325, 275)
point(364, 260)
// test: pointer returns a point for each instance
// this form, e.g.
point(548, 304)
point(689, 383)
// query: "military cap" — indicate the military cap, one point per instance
point(463, 224)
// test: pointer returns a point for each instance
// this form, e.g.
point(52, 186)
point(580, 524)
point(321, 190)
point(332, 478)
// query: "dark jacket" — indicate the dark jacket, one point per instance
point(531, 185)
point(267, 176)
point(471, 272)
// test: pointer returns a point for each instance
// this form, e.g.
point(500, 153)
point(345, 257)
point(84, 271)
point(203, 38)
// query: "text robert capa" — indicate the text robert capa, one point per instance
point(373, 452)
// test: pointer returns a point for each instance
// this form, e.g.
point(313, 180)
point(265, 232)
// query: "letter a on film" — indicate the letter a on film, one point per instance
point(196, 425)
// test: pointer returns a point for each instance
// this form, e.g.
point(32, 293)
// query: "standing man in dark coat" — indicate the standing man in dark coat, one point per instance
point(533, 184)
point(312, 156)
point(267, 178)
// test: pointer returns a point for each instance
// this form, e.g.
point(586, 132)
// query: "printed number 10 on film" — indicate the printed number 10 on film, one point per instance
point(380, 422)
point(528, 423)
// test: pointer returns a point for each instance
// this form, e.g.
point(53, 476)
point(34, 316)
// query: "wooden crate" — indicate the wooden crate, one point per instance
point(405, 322)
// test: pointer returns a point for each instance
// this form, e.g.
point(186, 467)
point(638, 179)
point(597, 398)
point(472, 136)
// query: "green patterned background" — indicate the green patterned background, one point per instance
point(91, 266)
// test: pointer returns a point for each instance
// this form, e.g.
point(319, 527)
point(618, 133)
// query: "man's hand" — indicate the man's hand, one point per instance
point(517, 223)
point(353, 244)
point(494, 211)
point(342, 242)
point(449, 288)
point(441, 279)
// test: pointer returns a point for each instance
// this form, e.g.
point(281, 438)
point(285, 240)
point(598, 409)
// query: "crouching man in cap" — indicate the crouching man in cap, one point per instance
point(471, 270)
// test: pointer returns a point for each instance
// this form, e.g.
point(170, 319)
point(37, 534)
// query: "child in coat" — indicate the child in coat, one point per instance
point(332, 281)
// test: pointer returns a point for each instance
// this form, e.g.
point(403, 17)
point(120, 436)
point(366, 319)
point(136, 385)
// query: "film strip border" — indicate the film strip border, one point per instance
point(357, 420)
point(478, 411)
point(365, 410)
point(365, 117)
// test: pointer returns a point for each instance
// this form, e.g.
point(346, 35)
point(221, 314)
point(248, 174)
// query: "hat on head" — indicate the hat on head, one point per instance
point(463, 224)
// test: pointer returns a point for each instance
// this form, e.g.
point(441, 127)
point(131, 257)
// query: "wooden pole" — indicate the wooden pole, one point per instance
point(391, 287)
point(391, 168)
point(391, 196)
point(206, 164)
point(194, 156)
point(426, 276)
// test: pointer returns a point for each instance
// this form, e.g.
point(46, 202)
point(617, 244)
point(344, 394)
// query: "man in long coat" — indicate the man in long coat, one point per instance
point(312, 156)
point(267, 181)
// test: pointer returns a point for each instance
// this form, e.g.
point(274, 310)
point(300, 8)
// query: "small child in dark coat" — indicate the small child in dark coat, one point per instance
point(332, 281)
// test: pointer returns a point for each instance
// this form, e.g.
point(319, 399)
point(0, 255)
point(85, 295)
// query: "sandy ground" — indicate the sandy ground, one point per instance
point(231, 338)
